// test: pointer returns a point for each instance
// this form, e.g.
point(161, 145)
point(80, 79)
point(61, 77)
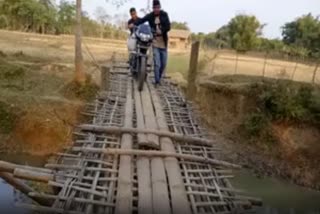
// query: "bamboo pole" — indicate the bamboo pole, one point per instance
point(160, 192)
point(142, 139)
point(143, 164)
point(124, 193)
point(10, 167)
point(150, 120)
point(179, 199)
point(173, 136)
point(160, 154)
point(33, 176)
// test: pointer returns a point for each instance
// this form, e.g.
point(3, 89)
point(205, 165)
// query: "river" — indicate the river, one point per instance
point(279, 197)
point(8, 195)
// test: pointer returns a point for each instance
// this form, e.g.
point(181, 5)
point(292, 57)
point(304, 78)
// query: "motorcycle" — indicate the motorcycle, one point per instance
point(141, 43)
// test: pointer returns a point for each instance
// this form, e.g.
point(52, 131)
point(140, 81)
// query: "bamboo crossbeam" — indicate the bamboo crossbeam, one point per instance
point(80, 200)
point(161, 154)
point(224, 189)
point(243, 198)
point(10, 167)
point(33, 175)
point(81, 189)
point(62, 167)
point(46, 209)
point(121, 130)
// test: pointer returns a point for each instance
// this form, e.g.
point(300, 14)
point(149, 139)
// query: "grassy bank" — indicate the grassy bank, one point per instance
point(39, 103)
point(271, 125)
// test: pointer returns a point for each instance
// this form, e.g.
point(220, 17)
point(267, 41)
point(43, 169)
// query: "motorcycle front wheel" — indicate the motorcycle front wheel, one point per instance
point(142, 72)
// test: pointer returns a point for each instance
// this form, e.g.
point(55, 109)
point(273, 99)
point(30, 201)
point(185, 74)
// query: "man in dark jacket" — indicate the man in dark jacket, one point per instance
point(160, 24)
point(134, 18)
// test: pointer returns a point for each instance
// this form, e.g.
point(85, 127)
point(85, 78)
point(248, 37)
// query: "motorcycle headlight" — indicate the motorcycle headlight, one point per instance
point(144, 37)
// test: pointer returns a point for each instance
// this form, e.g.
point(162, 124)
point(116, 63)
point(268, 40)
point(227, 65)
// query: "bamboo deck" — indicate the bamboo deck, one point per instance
point(141, 153)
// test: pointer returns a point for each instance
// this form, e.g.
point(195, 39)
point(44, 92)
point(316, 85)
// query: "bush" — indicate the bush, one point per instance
point(285, 101)
point(255, 123)
point(282, 101)
point(85, 91)
point(7, 118)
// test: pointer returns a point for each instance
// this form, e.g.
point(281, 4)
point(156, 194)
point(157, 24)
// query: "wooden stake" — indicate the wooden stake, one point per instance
point(193, 68)
point(105, 75)
point(315, 73)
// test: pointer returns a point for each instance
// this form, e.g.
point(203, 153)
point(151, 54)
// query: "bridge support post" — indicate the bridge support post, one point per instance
point(193, 68)
point(105, 75)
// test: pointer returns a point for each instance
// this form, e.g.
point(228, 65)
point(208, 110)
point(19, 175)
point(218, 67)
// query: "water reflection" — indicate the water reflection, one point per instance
point(9, 197)
point(279, 197)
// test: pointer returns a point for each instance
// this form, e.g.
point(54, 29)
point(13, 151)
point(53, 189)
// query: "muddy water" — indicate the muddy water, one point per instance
point(8, 195)
point(279, 197)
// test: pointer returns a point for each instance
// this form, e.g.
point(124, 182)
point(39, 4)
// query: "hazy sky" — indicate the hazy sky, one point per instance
point(209, 15)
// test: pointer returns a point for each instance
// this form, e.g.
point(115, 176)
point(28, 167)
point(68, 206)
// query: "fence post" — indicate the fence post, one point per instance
point(315, 73)
point(237, 60)
point(105, 72)
point(193, 67)
point(294, 70)
point(265, 65)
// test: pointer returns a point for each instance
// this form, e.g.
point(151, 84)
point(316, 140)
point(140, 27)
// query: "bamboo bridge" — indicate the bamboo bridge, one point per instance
point(139, 152)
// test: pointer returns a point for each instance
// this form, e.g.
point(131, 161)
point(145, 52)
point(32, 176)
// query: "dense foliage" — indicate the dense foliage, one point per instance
point(44, 16)
point(283, 101)
point(304, 32)
point(180, 25)
point(301, 37)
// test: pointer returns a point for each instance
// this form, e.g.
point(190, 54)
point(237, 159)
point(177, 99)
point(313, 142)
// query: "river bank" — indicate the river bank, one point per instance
point(264, 127)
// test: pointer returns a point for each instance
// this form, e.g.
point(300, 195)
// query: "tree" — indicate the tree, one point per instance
point(66, 17)
point(222, 37)
point(121, 20)
point(180, 25)
point(304, 32)
point(103, 18)
point(244, 31)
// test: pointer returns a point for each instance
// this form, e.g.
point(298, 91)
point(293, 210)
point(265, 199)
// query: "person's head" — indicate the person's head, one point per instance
point(133, 13)
point(156, 7)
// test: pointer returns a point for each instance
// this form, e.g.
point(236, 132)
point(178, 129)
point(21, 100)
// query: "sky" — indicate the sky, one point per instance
point(210, 15)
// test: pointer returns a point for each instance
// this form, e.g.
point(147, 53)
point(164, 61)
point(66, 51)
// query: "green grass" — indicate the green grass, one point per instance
point(178, 63)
